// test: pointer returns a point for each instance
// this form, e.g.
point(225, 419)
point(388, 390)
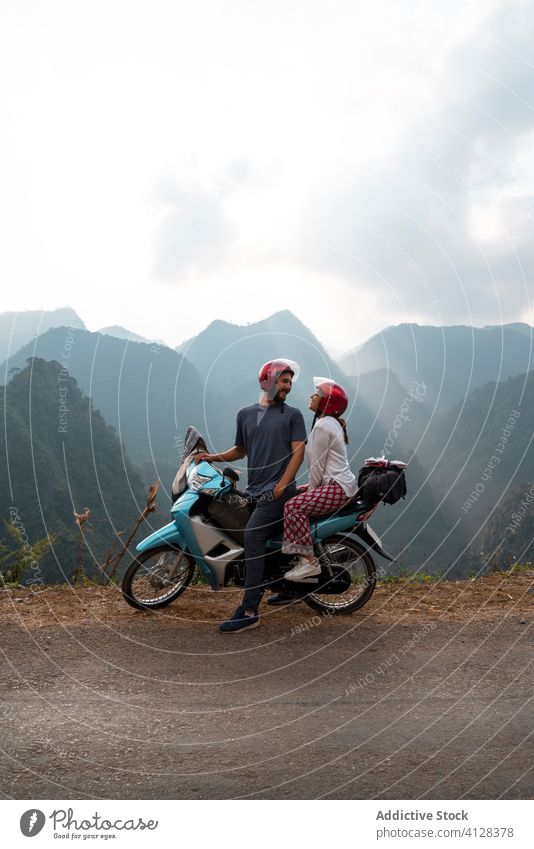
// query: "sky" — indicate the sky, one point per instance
point(165, 164)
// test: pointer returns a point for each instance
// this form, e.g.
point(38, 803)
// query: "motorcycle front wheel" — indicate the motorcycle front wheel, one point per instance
point(155, 578)
point(342, 555)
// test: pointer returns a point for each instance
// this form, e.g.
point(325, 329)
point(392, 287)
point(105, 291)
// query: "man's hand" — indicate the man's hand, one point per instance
point(297, 456)
point(278, 491)
point(202, 456)
point(235, 453)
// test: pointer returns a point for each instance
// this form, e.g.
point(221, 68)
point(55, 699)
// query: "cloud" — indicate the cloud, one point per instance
point(195, 232)
point(444, 230)
point(386, 167)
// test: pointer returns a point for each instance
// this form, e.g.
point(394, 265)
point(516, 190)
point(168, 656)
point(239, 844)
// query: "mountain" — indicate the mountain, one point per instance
point(19, 328)
point(399, 412)
point(135, 385)
point(383, 417)
point(462, 466)
point(55, 462)
point(228, 357)
point(387, 419)
point(510, 535)
point(451, 361)
point(520, 327)
point(480, 450)
point(223, 351)
point(123, 333)
point(149, 393)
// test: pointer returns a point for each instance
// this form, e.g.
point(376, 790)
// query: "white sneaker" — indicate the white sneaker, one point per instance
point(304, 569)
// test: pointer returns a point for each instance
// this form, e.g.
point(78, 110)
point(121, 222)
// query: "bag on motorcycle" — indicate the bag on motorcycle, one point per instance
point(231, 511)
point(379, 483)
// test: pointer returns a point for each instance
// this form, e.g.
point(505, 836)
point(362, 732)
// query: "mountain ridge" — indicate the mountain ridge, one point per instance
point(19, 328)
point(149, 393)
point(123, 333)
point(452, 360)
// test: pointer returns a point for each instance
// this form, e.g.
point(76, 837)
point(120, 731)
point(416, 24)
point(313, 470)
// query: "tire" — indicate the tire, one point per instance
point(157, 577)
point(345, 554)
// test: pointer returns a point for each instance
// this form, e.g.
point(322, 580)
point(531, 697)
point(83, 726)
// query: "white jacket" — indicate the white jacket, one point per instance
point(326, 453)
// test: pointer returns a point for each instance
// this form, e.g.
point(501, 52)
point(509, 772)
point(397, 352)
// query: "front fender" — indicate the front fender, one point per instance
point(167, 535)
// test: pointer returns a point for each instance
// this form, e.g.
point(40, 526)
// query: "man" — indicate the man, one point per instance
point(271, 434)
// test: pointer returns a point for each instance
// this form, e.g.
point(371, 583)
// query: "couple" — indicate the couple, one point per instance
point(272, 436)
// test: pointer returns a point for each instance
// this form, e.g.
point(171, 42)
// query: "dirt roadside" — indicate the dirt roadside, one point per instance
point(425, 693)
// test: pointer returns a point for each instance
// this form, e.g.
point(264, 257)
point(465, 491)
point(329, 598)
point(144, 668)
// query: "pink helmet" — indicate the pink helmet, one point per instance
point(334, 399)
point(270, 371)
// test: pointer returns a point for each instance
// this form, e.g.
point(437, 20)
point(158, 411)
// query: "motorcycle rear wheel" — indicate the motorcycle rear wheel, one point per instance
point(155, 578)
point(356, 559)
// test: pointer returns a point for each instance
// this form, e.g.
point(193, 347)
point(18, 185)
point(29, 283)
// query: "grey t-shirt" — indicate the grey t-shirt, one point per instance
point(266, 433)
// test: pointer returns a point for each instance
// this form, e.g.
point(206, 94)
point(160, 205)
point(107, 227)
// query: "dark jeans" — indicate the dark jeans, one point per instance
point(263, 524)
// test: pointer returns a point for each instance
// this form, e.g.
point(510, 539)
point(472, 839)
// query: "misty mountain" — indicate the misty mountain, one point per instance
point(149, 393)
point(383, 417)
point(224, 351)
point(452, 361)
point(123, 333)
point(54, 463)
point(398, 412)
point(480, 450)
point(387, 419)
point(228, 358)
point(19, 328)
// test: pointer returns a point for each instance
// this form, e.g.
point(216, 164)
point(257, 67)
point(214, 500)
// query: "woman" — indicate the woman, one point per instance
point(331, 484)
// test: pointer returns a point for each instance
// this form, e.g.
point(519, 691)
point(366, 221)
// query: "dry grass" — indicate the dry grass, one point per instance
point(492, 596)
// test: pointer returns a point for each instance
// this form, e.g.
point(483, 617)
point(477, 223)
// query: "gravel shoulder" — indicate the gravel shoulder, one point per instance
point(425, 693)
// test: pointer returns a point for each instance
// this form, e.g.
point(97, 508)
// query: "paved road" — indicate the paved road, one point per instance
point(300, 708)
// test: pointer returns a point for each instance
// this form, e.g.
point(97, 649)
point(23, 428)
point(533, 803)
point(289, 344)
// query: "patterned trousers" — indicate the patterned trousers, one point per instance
point(313, 502)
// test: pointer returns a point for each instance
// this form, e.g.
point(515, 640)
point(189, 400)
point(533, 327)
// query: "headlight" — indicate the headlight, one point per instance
point(196, 480)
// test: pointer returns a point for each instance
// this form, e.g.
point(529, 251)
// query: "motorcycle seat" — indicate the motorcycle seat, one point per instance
point(354, 506)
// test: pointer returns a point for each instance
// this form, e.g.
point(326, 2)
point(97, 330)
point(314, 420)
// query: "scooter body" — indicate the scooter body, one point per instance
point(220, 558)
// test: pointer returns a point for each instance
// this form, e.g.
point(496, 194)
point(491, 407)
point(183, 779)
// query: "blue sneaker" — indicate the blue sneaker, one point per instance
point(239, 622)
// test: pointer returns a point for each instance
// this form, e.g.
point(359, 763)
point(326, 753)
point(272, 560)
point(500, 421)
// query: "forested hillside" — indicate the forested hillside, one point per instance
point(148, 392)
point(58, 456)
point(510, 535)
point(481, 448)
point(462, 461)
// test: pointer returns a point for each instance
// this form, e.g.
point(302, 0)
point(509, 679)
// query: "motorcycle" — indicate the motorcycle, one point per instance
point(167, 559)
